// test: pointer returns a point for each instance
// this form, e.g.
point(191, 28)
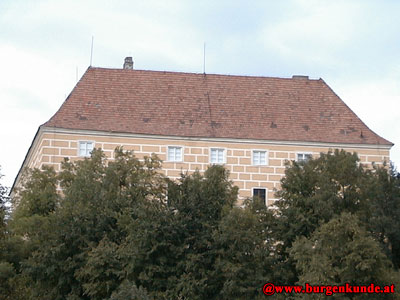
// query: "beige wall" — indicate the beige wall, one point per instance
point(51, 148)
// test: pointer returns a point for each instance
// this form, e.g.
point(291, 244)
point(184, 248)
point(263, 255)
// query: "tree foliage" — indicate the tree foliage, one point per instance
point(119, 229)
point(315, 192)
point(339, 250)
point(3, 208)
point(384, 221)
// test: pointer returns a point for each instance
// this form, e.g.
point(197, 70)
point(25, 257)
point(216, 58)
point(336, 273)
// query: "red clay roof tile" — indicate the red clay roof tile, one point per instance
point(222, 106)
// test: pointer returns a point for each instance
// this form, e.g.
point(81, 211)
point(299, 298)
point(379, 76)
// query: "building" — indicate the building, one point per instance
point(250, 124)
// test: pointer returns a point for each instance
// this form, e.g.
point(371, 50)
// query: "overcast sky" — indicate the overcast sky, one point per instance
point(353, 45)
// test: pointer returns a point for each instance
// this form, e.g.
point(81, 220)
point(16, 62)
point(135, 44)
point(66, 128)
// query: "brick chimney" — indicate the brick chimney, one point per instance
point(300, 77)
point(128, 64)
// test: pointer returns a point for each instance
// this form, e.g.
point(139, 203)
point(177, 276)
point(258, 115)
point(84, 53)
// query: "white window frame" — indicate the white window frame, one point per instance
point(223, 155)
point(266, 157)
point(304, 154)
point(182, 153)
point(85, 142)
point(261, 188)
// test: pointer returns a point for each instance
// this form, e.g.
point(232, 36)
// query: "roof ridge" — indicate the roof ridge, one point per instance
point(202, 74)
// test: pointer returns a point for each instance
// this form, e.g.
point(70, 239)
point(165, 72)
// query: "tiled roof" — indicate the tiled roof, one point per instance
point(221, 106)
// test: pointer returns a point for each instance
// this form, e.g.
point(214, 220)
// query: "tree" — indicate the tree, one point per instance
point(245, 252)
point(342, 251)
point(384, 222)
point(3, 208)
point(12, 252)
point(169, 246)
point(315, 192)
point(113, 224)
point(97, 195)
point(120, 229)
point(200, 203)
point(312, 193)
point(6, 269)
point(129, 291)
point(3, 212)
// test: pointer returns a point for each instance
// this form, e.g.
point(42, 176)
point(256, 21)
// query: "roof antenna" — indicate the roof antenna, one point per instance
point(76, 73)
point(91, 52)
point(204, 59)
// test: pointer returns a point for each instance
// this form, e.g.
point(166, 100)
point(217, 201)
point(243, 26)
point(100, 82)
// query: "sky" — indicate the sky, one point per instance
point(45, 45)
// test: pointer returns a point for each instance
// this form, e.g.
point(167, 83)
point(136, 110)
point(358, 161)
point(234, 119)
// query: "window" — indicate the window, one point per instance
point(85, 148)
point(174, 153)
point(217, 156)
point(261, 194)
point(259, 158)
point(304, 156)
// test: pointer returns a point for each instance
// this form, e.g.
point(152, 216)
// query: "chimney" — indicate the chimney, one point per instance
point(300, 77)
point(128, 64)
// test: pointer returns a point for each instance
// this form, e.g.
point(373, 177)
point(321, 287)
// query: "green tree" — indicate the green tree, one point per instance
point(7, 270)
point(12, 252)
point(384, 221)
point(129, 291)
point(169, 247)
point(3, 208)
point(200, 203)
point(245, 252)
point(120, 229)
point(152, 249)
point(342, 251)
point(315, 192)
point(85, 225)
